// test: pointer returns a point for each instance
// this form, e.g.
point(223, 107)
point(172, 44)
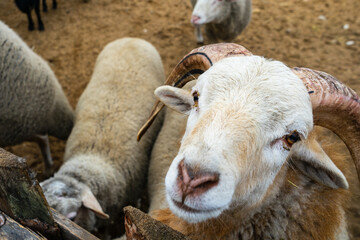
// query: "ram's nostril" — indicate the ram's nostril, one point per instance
point(189, 172)
point(185, 173)
point(195, 183)
point(205, 180)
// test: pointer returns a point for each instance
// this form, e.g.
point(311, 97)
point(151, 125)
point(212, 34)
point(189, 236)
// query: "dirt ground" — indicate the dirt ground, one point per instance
point(323, 35)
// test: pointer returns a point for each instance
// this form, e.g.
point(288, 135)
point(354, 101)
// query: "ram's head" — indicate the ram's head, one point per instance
point(247, 117)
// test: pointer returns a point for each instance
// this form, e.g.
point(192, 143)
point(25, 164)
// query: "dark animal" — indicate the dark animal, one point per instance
point(26, 6)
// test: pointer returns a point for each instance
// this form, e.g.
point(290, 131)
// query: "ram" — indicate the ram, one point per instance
point(32, 102)
point(249, 166)
point(224, 20)
point(104, 164)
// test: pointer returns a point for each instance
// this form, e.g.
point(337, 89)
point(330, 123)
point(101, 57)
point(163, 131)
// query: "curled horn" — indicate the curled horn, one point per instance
point(336, 107)
point(194, 64)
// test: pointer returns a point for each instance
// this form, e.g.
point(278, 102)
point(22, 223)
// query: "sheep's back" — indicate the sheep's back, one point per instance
point(165, 150)
point(116, 103)
point(26, 90)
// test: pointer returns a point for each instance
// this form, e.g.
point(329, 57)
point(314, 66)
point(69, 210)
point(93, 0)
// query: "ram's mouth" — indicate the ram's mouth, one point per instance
point(185, 208)
point(192, 210)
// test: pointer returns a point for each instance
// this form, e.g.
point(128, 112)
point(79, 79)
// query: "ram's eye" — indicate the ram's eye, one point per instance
point(291, 138)
point(196, 98)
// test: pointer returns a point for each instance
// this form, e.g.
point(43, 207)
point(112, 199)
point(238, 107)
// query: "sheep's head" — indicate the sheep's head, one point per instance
point(206, 11)
point(247, 116)
point(239, 134)
point(74, 200)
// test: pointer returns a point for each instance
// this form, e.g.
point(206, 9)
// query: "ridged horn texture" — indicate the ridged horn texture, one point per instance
point(191, 66)
point(336, 107)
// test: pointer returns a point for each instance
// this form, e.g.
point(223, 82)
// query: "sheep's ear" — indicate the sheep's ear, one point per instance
point(309, 157)
point(176, 98)
point(90, 202)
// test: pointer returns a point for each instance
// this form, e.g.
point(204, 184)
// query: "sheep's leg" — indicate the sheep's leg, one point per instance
point(199, 37)
point(211, 34)
point(44, 6)
point(31, 23)
point(54, 6)
point(37, 11)
point(43, 142)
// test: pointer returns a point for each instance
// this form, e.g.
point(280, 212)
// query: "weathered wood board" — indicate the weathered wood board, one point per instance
point(22, 198)
point(10, 229)
point(70, 230)
point(24, 206)
point(140, 226)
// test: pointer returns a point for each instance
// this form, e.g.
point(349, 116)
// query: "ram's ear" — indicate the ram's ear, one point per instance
point(176, 98)
point(309, 157)
point(90, 202)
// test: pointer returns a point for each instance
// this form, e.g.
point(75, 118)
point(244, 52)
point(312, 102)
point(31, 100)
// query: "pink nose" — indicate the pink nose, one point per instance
point(195, 19)
point(195, 183)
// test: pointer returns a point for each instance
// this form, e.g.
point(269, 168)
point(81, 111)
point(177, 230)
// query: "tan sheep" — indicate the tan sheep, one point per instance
point(165, 149)
point(32, 102)
point(105, 167)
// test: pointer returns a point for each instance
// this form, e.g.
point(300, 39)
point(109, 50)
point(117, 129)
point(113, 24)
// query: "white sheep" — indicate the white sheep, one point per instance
point(249, 166)
point(104, 164)
point(224, 20)
point(32, 102)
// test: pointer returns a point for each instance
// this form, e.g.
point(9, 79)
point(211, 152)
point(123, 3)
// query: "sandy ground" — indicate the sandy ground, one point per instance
point(305, 33)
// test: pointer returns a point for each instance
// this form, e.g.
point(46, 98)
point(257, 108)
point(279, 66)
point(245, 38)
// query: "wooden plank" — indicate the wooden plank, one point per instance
point(140, 226)
point(69, 229)
point(10, 229)
point(22, 198)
